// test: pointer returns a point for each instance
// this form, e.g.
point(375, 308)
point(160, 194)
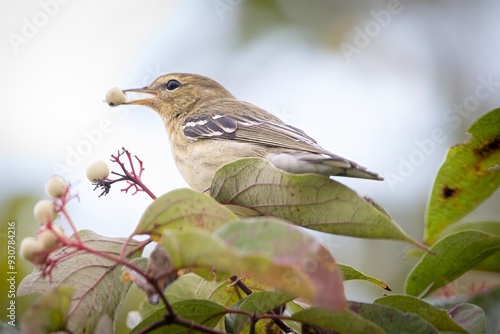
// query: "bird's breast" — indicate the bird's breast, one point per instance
point(204, 157)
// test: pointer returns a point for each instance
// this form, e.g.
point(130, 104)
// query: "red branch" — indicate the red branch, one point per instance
point(130, 176)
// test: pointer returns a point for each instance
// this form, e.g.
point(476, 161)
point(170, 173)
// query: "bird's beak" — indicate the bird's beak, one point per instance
point(144, 90)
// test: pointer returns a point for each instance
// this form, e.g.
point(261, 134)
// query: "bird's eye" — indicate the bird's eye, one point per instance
point(172, 85)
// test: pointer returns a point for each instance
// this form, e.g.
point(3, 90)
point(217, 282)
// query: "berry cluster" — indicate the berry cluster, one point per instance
point(36, 249)
point(50, 236)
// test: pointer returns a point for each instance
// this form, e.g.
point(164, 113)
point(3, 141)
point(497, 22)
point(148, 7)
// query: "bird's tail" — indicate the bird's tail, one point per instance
point(330, 165)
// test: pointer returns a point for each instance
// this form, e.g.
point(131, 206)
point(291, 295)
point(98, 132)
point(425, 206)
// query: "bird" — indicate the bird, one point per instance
point(208, 127)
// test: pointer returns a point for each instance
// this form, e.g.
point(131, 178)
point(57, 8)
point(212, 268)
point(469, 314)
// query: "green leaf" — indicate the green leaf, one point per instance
point(98, 287)
point(409, 304)
point(180, 208)
point(449, 258)
point(192, 286)
point(491, 227)
point(200, 311)
point(257, 303)
point(392, 320)
point(308, 200)
point(49, 313)
point(491, 263)
point(187, 287)
point(345, 322)
point(469, 175)
point(294, 262)
point(228, 293)
point(350, 273)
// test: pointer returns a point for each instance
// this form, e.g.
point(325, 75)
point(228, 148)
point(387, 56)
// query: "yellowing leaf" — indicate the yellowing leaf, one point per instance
point(469, 175)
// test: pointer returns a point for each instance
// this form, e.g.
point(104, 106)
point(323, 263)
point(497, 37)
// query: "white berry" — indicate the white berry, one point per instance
point(115, 97)
point(30, 249)
point(45, 211)
point(98, 170)
point(56, 186)
point(50, 239)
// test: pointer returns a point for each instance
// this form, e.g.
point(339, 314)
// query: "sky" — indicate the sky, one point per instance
point(388, 84)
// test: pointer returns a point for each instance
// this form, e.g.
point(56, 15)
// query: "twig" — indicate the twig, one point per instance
point(248, 292)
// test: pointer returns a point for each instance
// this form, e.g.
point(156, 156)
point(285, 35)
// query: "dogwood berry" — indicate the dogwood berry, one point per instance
point(45, 211)
point(56, 186)
point(97, 170)
point(115, 97)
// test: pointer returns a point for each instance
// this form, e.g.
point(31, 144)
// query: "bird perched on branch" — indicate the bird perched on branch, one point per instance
point(208, 128)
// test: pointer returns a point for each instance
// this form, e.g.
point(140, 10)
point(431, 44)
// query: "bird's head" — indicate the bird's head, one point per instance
point(174, 94)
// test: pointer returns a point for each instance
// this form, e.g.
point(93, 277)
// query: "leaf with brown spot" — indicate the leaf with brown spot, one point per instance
point(449, 192)
point(491, 147)
point(469, 175)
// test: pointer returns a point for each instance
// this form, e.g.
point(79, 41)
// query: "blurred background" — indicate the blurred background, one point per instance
point(388, 84)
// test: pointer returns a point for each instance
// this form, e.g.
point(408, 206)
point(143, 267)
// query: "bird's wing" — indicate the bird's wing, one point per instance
point(271, 132)
point(251, 129)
